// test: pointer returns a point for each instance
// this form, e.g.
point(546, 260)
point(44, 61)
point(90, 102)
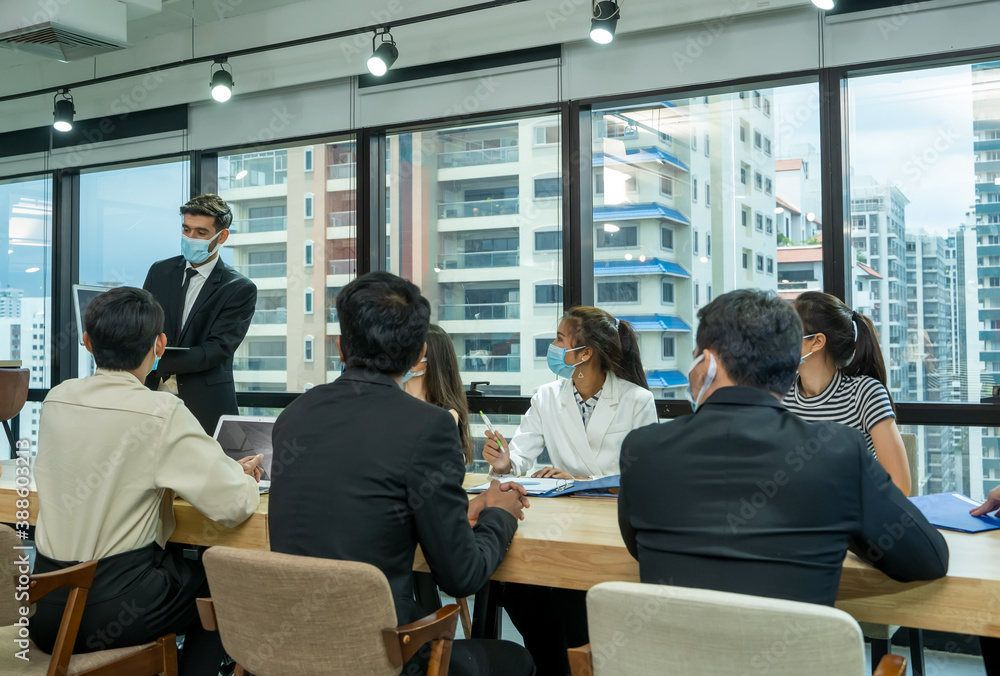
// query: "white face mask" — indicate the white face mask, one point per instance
point(811, 335)
point(709, 379)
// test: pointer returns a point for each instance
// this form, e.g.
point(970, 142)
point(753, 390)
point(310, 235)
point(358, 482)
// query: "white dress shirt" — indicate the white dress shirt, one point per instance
point(195, 285)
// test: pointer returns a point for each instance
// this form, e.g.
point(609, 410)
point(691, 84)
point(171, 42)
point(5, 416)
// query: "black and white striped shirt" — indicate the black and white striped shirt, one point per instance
point(859, 402)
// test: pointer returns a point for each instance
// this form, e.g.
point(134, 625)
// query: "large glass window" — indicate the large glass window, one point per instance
point(26, 288)
point(293, 232)
point(923, 183)
point(129, 219)
point(654, 263)
point(474, 218)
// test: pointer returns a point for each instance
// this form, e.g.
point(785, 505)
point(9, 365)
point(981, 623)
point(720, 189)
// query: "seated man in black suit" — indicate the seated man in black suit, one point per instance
point(362, 471)
point(744, 496)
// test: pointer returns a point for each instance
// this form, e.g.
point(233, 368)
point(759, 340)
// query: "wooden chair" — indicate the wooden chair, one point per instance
point(640, 629)
point(280, 614)
point(144, 660)
point(13, 394)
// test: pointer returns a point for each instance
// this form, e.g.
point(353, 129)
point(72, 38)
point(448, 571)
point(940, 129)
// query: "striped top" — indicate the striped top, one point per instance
point(586, 407)
point(860, 402)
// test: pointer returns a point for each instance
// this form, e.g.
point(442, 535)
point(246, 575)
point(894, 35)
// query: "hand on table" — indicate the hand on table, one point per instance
point(552, 473)
point(992, 504)
point(509, 496)
point(250, 465)
point(497, 453)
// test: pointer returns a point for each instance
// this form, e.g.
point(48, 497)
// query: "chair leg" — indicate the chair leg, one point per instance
point(239, 671)
point(10, 438)
point(167, 645)
point(463, 613)
point(880, 648)
point(440, 658)
point(917, 651)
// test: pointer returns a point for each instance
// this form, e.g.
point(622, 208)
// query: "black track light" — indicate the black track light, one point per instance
point(602, 26)
point(222, 81)
point(384, 54)
point(63, 111)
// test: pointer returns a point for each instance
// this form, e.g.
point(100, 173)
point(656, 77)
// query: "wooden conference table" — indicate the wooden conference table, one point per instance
point(574, 543)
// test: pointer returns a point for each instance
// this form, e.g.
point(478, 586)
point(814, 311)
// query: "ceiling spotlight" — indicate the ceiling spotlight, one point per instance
point(611, 227)
point(704, 259)
point(222, 81)
point(602, 26)
point(810, 217)
point(628, 257)
point(823, 4)
point(779, 210)
point(642, 258)
point(241, 174)
point(384, 53)
point(63, 111)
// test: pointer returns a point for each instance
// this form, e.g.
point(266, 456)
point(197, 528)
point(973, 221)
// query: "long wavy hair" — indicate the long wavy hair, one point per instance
point(444, 386)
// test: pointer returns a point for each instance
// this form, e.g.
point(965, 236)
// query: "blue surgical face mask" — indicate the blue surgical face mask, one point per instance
point(811, 335)
point(196, 250)
point(157, 362)
point(556, 357)
point(411, 374)
point(709, 379)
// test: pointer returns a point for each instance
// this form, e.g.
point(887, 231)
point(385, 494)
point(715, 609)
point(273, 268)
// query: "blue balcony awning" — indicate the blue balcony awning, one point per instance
point(653, 155)
point(635, 212)
point(639, 155)
point(650, 266)
point(666, 379)
point(657, 323)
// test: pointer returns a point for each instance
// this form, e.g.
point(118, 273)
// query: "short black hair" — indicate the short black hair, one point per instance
point(756, 335)
point(122, 325)
point(383, 323)
point(210, 205)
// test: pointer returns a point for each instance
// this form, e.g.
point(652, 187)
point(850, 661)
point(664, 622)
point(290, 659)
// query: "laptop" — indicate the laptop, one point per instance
point(241, 436)
point(82, 295)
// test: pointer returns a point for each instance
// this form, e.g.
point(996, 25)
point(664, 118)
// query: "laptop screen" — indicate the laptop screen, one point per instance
point(242, 436)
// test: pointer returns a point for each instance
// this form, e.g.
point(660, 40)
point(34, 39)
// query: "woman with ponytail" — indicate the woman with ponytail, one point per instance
point(582, 418)
point(842, 378)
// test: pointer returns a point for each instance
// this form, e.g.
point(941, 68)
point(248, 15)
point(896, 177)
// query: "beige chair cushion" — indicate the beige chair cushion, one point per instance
point(39, 662)
point(280, 614)
point(878, 631)
point(641, 629)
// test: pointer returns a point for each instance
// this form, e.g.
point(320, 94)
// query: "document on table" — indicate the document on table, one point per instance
point(536, 487)
point(951, 511)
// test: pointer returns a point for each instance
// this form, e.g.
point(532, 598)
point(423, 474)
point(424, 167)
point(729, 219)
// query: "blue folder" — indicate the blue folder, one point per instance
point(951, 512)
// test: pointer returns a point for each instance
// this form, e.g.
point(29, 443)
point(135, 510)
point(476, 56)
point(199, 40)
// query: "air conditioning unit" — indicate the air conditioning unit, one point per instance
point(66, 30)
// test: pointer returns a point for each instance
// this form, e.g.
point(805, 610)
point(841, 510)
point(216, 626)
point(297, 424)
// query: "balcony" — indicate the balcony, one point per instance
point(490, 363)
point(342, 170)
point(346, 266)
point(479, 259)
point(470, 158)
point(276, 316)
point(265, 224)
point(480, 311)
point(260, 363)
point(343, 218)
point(333, 362)
point(262, 270)
point(498, 207)
point(331, 315)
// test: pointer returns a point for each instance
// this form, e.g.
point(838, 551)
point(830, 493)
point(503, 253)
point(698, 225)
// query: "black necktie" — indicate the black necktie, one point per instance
point(189, 273)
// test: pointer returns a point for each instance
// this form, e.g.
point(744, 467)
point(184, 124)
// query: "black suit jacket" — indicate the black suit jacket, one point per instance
point(744, 496)
point(363, 471)
point(217, 324)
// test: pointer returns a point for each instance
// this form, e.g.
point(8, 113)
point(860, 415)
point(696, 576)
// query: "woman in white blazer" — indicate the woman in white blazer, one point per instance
point(582, 420)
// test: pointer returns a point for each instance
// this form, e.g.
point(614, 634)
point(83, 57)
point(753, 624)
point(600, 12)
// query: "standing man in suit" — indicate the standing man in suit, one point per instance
point(362, 471)
point(208, 307)
point(744, 496)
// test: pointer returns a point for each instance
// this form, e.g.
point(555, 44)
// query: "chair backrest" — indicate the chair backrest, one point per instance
point(280, 614)
point(13, 392)
point(9, 572)
point(640, 629)
point(910, 444)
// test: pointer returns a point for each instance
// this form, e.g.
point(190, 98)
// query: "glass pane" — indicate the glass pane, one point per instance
point(506, 425)
point(474, 220)
point(26, 287)
point(956, 459)
point(925, 226)
point(129, 219)
point(696, 197)
point(280, 204)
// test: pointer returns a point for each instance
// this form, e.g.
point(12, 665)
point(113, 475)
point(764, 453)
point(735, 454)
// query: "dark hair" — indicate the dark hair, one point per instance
point(210, 205)
point(122, 325)
point(383, 323)
point(613, 342)
point(822, 313)
point(757, 337)
point(443, 384)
